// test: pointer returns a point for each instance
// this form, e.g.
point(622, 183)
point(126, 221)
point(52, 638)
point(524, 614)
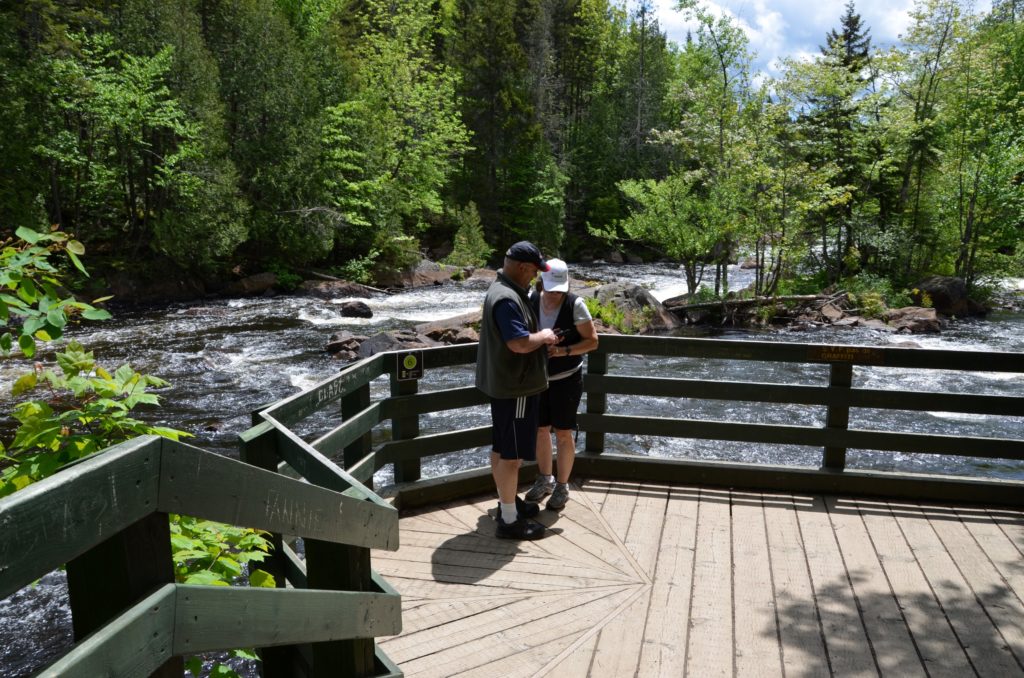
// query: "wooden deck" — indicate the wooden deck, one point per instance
point(650, 580)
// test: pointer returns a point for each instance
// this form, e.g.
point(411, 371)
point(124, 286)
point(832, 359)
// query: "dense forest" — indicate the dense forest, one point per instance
point(355, 135)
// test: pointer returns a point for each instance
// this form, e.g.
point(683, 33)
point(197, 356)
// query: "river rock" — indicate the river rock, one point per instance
point(948, 296)
point(832, 313)
point(425, 272)
point(400, 340)
point(334, 289)
point(634, 302)
point(913, 319)
point(344, 341)
point(355, 309)
point(252, 286)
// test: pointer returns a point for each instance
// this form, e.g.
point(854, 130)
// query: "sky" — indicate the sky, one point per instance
point(796, 28)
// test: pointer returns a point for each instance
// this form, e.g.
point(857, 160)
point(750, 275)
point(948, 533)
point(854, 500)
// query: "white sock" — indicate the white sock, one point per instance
point(509, 514)
point(547, 479)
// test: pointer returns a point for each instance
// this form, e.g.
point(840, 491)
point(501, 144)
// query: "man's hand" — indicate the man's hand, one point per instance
point(532, 342)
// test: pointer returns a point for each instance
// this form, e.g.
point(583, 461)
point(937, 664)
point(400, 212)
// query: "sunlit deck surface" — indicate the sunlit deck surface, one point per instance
point(651, 580)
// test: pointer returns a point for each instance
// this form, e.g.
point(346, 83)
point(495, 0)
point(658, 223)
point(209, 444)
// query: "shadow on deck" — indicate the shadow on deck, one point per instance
point(656, 580)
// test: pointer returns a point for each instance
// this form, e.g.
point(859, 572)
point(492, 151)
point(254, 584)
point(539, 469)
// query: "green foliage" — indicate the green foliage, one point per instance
point(612, 316)
point(79, 409)
point(287, 279)
point(31, 304)
point(209, 553)
point(470, 247)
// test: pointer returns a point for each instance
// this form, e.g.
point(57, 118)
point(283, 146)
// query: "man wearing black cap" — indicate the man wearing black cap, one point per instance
point(513, 372)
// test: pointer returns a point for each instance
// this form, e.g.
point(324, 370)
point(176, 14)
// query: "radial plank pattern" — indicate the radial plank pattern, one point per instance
point(650, 580)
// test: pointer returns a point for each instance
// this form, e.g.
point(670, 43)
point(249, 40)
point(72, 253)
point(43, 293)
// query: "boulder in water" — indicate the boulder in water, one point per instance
point(642, 312)
point(334, 289)
point(355, 309)
point(948, 296)
point(251, 286)
point(913, 319)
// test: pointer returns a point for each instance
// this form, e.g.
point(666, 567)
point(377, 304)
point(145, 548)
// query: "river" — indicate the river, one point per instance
point(226, 358)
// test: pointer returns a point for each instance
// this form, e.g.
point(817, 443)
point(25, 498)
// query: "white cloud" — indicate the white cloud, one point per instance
point(796, 28)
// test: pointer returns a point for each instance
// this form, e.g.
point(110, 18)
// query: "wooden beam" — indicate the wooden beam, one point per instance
point(61, 517)
point(791, 479)
point(137, 643)
point(210, 486)
point(218, 617)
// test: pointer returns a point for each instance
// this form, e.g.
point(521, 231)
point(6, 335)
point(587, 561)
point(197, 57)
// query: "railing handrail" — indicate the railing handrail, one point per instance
point(838, 396)
point(65, 516)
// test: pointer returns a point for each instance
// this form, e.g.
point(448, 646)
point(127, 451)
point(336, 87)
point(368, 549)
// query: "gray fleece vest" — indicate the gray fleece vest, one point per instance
point(501, 373)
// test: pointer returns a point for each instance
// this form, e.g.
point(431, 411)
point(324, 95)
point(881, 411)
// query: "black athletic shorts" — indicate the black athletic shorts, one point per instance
point(559, 403)
point(515, 427)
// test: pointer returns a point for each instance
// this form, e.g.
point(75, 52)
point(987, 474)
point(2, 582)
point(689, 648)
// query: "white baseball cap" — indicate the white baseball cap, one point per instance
point(556, 278)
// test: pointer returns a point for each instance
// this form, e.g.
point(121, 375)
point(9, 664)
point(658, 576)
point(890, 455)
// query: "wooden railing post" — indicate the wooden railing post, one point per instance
point(114, 575)
point(258, 447)
point(838, 417)
point(405, 428)
point(352, 404)
point(597, 403)
point(340, 567)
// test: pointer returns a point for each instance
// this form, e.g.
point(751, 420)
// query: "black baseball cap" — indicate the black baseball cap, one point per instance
point(526, 251)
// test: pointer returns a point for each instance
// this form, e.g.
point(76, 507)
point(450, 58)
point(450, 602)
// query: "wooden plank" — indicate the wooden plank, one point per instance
point(709, 649)
point(995, 361)
point(1004, 555)
point(441, 400)
point(219, 617)
point(210, 486)
point(318, 469)
point(667, 624)
point(990, 588)
point(801, 636)
point(397, 451)
point(136, 643)
point(666, 387)
point(354, 404)
point(896, 652)
point(118, 572)
point(352, 429)
point(405, 426)
point(790, 479)
point(621, 640)
point(998, 448)
point(936, 641)
point(849, 651)
point(977, 635)
point(756, 642)
point(61, 517)
point(807, 395)
point(647, 520)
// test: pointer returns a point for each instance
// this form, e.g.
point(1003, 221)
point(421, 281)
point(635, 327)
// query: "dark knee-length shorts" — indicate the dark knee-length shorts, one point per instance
point(514, 433)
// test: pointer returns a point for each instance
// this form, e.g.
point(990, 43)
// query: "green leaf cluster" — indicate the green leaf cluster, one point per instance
point(32, 306)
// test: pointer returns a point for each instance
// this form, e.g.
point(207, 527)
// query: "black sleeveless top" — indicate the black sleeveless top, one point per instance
point(570, 335)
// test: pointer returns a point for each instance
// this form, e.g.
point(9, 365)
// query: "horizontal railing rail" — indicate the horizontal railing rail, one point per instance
point(404, 446)
point(130, 617)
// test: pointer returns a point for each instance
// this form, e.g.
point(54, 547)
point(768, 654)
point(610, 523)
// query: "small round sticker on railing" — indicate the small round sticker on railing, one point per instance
point(410, 365)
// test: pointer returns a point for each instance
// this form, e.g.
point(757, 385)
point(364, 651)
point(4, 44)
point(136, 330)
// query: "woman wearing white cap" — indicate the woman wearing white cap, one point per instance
point(568, 316)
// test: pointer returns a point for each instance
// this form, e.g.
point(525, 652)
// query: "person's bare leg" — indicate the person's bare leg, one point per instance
point(566, 454)
point(544, 450)
point(506, 479)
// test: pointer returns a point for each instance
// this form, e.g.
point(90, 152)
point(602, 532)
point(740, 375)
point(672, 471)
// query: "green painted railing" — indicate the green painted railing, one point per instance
point(404, 446)
point(106, 518)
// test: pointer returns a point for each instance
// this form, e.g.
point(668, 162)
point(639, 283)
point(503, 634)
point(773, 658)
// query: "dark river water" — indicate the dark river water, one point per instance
point(226, 358)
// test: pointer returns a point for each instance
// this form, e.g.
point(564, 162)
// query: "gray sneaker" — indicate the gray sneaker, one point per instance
point(559, 497)
point(539, 490)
